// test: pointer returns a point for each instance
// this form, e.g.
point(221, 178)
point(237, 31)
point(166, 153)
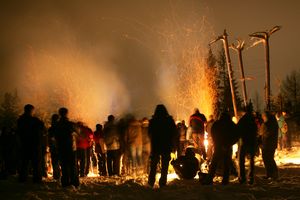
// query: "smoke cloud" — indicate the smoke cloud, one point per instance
point(106, 57)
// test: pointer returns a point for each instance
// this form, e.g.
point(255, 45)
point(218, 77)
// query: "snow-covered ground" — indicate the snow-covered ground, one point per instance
point(287, 187)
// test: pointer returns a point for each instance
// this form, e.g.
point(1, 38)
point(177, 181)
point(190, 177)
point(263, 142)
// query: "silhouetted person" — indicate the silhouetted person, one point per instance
point(146, 145)
point(83, 149)
point(52, 131)
point(224, 135)
point(249, 133)
point(210, 147)
point(100, 150)
point(134, 140)
point(8, 152)
point(66, 144)
point(30, 132)
point(197, 123)
point(112, 141)
point(269, 133)
point(89, 150)
point(282, 131)
point(182, 129)
point(162, 132)
point(187, 166)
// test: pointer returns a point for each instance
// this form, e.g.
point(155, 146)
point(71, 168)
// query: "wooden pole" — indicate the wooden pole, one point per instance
point(244, 89)
point(230, 72)
point(264, 36)
point(239, 48)
point(268, 80)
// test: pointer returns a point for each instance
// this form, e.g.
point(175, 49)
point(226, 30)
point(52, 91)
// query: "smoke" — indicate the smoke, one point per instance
point(71, 79)
point(107, 57)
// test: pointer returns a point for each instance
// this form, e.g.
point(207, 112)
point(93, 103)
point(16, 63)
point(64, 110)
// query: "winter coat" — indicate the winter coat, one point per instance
point(197, 122)
point(99, 141)
point(182, 133)
point(186, 166)
point(145, 137)
point(65, 137)
point(162, 132)
point(281, 123)
point(30, 132)
point(224, 132)
point(111, 136)
point(248, 129)
point(84, 138)
point(269, 133)
point(208, 127)
point(133, 134)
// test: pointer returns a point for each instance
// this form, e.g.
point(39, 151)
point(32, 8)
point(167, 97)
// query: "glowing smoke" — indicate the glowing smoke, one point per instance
point(99, 58)
point(71, 79)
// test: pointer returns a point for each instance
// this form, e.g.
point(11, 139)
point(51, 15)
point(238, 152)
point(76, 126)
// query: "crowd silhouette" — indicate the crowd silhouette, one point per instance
point(129, 146)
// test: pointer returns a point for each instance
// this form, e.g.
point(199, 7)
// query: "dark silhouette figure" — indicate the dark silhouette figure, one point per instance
point(100, 150)
point(197, 123)
point(53, 146)
point(146, 145)
point(182, 129)
point(8, 152)
point(30, 132)
point(134, 141)
point(224, 135)
point(269, 134)
point(210, 147)
point(248, 129)
point(112, 141)
point(187, 166)
point(162, 132)
point(66, 144)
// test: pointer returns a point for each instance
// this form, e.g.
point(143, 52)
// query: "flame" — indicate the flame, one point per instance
point(206, 141)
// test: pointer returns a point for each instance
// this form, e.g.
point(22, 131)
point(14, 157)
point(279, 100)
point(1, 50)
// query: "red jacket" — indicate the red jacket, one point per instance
point(85, 138)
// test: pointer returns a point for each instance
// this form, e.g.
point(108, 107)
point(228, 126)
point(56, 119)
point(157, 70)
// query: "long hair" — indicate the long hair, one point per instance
point(161, 111)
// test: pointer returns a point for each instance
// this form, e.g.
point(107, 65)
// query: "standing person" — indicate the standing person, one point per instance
point(210, 147)
point(100, 150)
point(286, 139)
point(8, 152)
point(30, 132)
point(53, 146)
point(112, 142)
point(224, 135)
point(66, 144)
point(269, 134)
point(280, 121)
point(282, 131)
point(197, 124)
point(82, 144)
point(89, 150)
point(162, 132)
point(248, 129)
point(146, 145)
point(134, 140)
point(181, 127)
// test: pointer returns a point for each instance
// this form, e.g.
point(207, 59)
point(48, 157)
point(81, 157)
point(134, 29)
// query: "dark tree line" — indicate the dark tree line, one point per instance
point(9, 109)
point(289, 97)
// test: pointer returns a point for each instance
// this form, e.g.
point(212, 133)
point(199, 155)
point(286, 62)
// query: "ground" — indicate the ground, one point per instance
point(287, 187)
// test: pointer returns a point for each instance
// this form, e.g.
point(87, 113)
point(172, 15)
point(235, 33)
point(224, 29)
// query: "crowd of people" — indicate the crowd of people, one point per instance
point(129, 146)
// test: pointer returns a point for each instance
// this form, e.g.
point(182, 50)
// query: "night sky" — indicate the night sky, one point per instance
point(124, 36)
